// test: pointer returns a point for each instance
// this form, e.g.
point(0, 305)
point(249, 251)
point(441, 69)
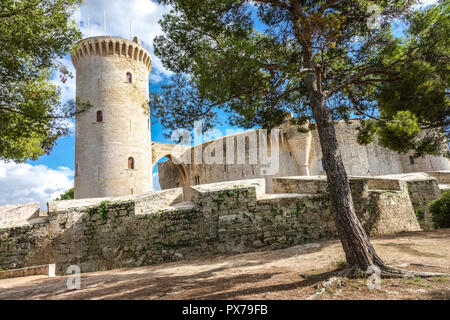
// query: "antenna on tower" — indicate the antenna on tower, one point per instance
point(129, 36)
point(104, 21)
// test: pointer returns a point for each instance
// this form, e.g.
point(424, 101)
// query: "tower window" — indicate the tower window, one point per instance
point(411, 160)
point(77, 169)
point(129, 77)
point(130, 163)
point(197, 180)
point(101, 83)
point(323, 164)
point(99, 116)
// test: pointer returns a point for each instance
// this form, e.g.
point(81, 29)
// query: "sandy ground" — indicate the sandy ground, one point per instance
point(291, 273)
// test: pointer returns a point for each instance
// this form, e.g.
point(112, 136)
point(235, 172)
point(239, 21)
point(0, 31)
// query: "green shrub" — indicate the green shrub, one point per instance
point(440, 210)
point(68, 195)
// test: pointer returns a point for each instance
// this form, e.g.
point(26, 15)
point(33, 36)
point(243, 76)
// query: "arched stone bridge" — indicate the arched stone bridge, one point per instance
point(161, 150)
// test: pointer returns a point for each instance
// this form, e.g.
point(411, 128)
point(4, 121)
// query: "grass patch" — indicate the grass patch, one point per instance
point(339, 264)
point(418, 282)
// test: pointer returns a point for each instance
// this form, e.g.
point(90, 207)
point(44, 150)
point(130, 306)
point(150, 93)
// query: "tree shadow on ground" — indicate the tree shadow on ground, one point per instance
point(131, 286)
point(439, 295)
point(154, 282)
point(310, 280)
point(151, 285)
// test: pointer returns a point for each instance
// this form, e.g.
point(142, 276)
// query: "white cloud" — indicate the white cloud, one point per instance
point(423, 3)
point(126, 19)
point(156, 77)
point(25, 183)
point(70, 124)
point(427, 2)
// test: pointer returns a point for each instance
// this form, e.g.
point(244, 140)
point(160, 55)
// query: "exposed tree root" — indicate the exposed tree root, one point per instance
point(322, 287)
point(387, 271)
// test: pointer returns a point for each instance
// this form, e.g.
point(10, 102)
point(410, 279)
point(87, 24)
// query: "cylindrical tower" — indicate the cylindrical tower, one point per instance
point(112, 139)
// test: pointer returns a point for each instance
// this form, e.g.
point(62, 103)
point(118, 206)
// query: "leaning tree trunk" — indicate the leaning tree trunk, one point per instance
point(358, 250)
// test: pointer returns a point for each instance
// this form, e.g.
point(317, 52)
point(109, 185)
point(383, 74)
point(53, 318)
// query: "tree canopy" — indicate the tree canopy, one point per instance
point(324, 60)
point(414, 109)
point(247, 58)
point(67, 195)
point(33, 35)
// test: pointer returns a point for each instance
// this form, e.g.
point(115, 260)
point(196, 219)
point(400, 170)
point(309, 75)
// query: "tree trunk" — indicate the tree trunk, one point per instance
point(358, 250)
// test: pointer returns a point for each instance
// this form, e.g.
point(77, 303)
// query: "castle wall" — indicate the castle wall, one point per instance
point(102, 148)
point(359, 160)
point(171, 176)
point(422, 192)
point(243, 163)
point(225, 218)
point(300, 154)
point(18, 214)
point(383, 206)
point(443, 177)
point(423, 188)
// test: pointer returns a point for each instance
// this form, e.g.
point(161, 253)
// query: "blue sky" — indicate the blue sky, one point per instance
point(143, 20)
point(46, 178)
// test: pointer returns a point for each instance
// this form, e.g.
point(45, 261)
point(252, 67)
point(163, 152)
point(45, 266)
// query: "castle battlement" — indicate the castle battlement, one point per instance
point(107, 45)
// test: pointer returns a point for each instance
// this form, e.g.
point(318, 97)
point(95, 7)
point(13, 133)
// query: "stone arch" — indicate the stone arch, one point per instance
point(160, 150)
point(182, 173)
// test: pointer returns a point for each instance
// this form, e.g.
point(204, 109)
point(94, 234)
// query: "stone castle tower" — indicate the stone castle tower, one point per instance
point(112, 139)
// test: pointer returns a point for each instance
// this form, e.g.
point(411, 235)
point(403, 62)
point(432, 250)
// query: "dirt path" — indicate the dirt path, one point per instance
point(290, 273)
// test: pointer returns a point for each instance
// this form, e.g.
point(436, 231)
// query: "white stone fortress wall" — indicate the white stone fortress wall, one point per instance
point(104, 144)
point(299, 154)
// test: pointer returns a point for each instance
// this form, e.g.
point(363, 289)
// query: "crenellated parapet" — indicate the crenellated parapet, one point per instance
point(105, 45)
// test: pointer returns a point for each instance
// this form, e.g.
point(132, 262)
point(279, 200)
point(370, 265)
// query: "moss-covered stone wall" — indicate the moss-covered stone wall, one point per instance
point(222, 218)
